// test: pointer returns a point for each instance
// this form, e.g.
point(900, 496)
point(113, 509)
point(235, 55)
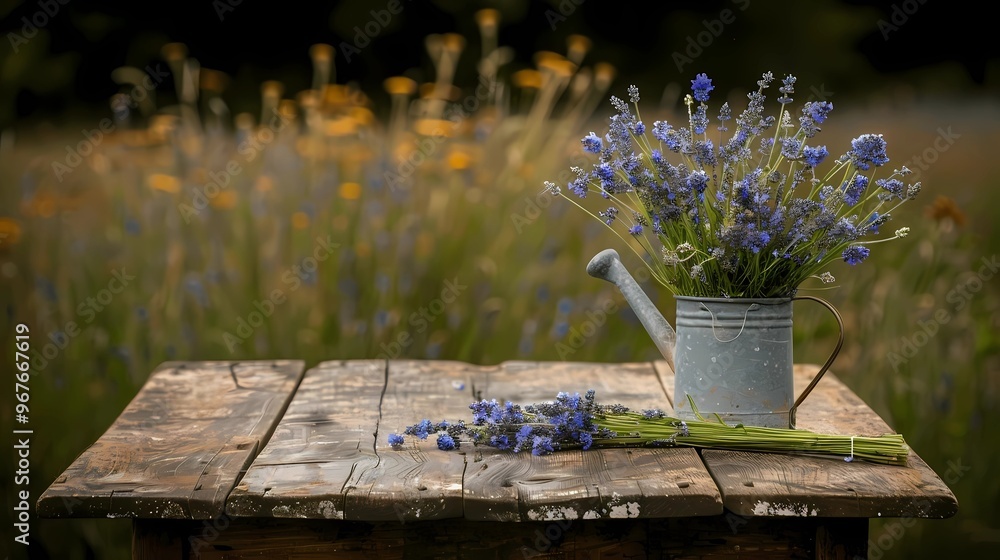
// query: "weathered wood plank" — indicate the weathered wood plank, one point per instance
point(330, 457)
point(417, 481)
point(571, 484)
point(179, 446)
point(325, 435)
point(777, 484)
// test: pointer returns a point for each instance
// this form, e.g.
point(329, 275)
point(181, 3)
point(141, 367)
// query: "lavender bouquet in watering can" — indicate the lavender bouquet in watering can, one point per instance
point(733, 217)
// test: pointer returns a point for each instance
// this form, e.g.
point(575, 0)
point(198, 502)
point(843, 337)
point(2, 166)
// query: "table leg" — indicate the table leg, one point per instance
point(154, 539)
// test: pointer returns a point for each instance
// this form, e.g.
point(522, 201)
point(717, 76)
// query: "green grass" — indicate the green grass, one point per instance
point(525, 285)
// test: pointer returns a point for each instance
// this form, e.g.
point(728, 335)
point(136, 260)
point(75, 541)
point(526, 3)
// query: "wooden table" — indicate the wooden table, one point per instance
point(232, 460)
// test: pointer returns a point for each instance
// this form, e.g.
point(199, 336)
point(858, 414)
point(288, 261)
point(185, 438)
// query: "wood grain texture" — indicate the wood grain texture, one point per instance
point(595, 484)
point(329, 457)
point(417, 481)
point(179, 446)
point(325, 436)
point(786, 485)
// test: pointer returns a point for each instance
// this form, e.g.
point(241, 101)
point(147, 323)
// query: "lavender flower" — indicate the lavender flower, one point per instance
point(446, 443)
point(854, 254)
point(660, 130)
point(704, 153)
point(523, 436)
point(633, 94)
point(814, 156)
point(395, 440)
point(790, 147)
point(699, 120)
point(542, 445)
point(854, 189)
point(421, 430)
point(609, 215)
point(787, 88)
point(818, 110)
point(701, 85)
point(725, 114)
point(572, 421)
point(868, 150)
point(894, 188)
point(501, 442)
point(592, 143)
point(756, 208)
point(813, 113)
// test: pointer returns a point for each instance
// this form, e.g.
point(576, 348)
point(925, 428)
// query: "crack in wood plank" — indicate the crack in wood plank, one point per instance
point(156, 460)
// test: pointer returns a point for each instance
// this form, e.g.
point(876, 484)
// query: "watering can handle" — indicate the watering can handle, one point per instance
point(829, 361)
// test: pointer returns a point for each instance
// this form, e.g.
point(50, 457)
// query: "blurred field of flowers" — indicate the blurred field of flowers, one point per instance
point(327, 227)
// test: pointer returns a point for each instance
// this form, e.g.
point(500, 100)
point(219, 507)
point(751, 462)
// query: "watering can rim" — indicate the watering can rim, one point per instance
point(762, 300)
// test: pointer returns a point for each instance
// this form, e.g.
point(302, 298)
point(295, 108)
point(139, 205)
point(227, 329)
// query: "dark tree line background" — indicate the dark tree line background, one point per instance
point(923, 47)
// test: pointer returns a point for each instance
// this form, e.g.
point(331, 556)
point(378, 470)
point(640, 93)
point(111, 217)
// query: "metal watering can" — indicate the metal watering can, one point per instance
point(731, 357)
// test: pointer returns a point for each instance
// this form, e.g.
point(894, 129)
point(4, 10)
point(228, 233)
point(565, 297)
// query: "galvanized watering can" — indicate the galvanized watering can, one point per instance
point(732, 357)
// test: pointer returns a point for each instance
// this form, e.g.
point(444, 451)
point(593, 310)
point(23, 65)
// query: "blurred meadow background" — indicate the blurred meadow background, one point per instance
point(246, 182)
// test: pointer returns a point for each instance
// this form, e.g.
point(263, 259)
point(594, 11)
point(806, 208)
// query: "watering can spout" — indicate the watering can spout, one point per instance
point(607, 265)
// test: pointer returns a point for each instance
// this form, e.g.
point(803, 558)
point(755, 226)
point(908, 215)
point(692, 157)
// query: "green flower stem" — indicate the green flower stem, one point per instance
point(635, 430)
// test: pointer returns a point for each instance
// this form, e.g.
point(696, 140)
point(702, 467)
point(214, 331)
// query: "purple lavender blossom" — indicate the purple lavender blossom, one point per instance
point(854, 254)
point(894, 187)
point(868, 150)
point(609, 215)
point(699, 120)
point(787, 89)
point(704, 153)
point(790, 147)
point(421, 430)
point(814, 156)
point(501, 442)
point(853, 190)
point(701, 85)
point(522, 437)
point(725, 114)
point(660, 130)
point(592, 143)
point(818, 110)
point(633, 94)
point(396, 440)
point(813, 113)
point(604, 172)
point(542, 445)
point(446, 443)
point(751, 200)
point(872, 224)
